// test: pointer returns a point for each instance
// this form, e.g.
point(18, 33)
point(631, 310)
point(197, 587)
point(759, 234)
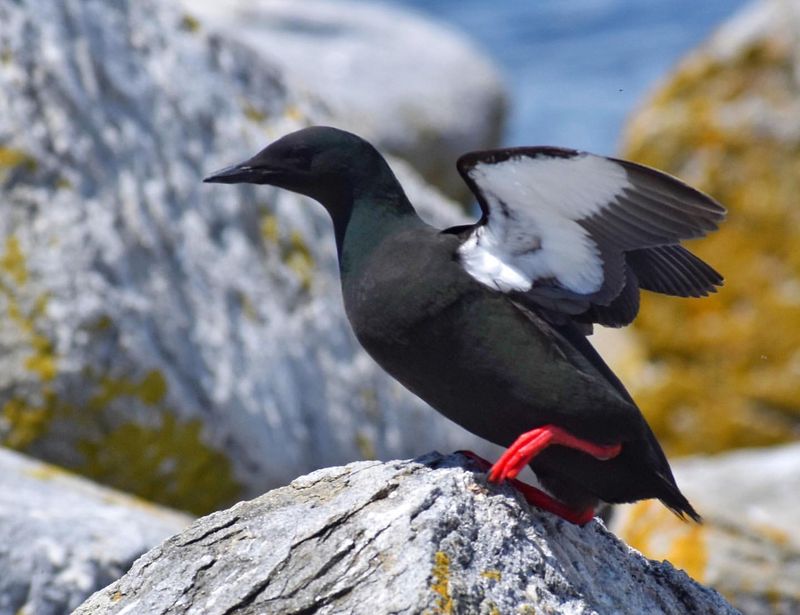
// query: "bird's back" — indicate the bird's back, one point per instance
point(496, 367)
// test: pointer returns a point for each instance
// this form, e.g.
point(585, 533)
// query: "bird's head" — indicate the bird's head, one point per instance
point(326, 164)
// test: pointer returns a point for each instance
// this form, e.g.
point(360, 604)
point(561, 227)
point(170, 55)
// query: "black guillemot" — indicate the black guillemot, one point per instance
point(488, 322)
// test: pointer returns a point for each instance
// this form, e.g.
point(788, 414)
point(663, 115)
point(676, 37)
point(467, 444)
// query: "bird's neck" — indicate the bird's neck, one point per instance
point(371, 218)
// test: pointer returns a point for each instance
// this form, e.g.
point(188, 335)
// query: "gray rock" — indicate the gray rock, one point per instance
point(62, 537)
point(180, 341)
point(414, 87)
point(423, 536)
point(749, 546)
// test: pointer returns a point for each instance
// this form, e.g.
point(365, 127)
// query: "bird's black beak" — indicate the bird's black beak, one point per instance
point(239, 174)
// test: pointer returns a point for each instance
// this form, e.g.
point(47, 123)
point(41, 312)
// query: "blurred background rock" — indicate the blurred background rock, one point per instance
point(187, 344)
point(169, 338)
point(725, 372)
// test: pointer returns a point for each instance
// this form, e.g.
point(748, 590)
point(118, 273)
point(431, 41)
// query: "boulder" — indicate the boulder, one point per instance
point(422, 536)
point(64, 537)
point(177, 340)
point(721, 373)
point(414, 87)
point(748, 547)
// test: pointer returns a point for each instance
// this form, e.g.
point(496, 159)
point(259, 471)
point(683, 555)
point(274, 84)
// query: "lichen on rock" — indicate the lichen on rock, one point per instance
point(154, 327)
point(723, 371)
point(748, 547)
point(422, 536)
point(167, 462)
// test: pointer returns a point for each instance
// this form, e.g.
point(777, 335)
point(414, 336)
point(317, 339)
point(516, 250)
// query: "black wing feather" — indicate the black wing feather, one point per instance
point(636, 233)
point(673, 270)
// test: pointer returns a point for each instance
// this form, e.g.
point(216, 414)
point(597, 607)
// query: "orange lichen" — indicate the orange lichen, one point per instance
point(728, 366)
point(656, 532)
point(441, 583)
point(493, 575)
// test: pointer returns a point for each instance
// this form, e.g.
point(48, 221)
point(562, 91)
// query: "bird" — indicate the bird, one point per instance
point(489, 322)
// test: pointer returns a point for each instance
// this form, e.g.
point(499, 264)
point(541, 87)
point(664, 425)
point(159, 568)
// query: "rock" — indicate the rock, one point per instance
point(63, 537)
point(422, 536)
point(414, 87)
point(749, 545)
point(728, 121)
point(179, 341)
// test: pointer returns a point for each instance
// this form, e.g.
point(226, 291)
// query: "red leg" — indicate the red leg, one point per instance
point(484, 464)
point(530, 444)
point(539, 498)
point(547, 502)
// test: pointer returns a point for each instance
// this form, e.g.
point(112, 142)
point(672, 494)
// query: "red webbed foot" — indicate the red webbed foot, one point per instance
point(533, 442)
point(537, 497)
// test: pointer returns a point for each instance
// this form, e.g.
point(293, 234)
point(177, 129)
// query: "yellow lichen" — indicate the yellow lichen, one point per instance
point(640, 524)
point(150, 390)
point(656, 532)
point(294, 251)
point(190, 23)
point(298, 258)
point(46, 472)
point(689, 551)
point(168, 463)
point(728, 368)
point(776, 535)
point(269, 228)
point(372, 406)
point(43, 359)
point(441, 583)
point(493, 575)
point(153, 388)
point(13, 265)
point(11, 158)
point(365, 446)
point(25, 422)
point(252, 113)
point(248, 308)
point(12, 261)
point(103, 323)
point(166, 460)
point(293, 113)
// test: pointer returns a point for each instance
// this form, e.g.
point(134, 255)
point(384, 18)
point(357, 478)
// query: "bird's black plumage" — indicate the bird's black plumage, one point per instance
point(488, 322)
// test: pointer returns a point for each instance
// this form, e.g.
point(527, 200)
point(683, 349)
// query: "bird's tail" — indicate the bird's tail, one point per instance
point(676, 501)
point(670, 495)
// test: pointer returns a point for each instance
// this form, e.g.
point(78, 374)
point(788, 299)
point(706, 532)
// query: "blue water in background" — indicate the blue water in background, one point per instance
point(577, 68)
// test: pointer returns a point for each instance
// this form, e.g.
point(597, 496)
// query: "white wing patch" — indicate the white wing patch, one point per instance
point(532, 231)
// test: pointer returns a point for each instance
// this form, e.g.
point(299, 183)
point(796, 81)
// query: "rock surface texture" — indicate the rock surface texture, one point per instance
point(424, 536)
point(62, 537)
point(176, 340)
point(749, 546)
point(414, 88)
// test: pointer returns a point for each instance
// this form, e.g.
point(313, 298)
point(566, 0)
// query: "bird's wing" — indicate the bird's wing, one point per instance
point(580, 234)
